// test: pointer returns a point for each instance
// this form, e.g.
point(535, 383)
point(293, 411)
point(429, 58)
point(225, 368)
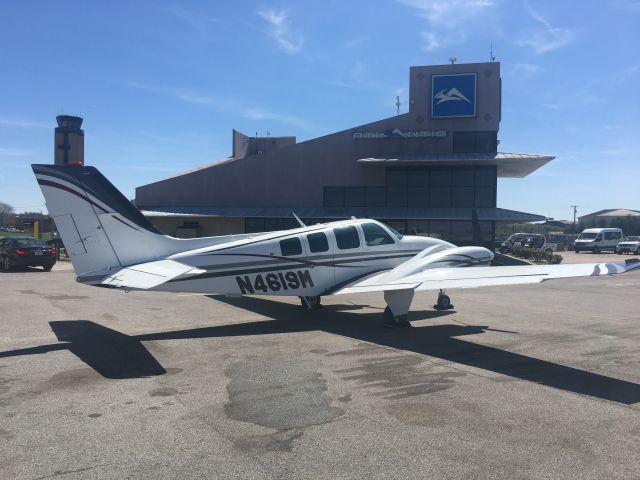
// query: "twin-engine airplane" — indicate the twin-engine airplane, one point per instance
point(111, 244)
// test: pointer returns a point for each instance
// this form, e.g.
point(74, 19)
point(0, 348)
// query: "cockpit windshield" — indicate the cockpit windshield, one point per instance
point(394, 231)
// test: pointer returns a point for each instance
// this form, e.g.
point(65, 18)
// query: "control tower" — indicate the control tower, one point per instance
point(69, 141)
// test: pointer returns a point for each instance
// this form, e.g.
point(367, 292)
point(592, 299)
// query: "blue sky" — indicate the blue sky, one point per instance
point(161, 84)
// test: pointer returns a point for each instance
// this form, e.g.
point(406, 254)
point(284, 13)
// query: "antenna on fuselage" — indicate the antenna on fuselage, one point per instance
point(299, 221)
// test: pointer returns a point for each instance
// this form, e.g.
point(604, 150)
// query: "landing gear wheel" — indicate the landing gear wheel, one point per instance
point(6, 265)
point(391, 321)
point(444, 302)
point(310, 303)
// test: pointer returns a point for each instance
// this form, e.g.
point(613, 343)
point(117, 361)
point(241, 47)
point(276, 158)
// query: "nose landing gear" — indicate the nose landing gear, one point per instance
point(444, 302)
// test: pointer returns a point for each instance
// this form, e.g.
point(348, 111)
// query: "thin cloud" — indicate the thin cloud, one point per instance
point(226, 104)
point(354, 42)
point(626, 74)
point(630, 5)
point(450, 22)
point(19, 123)
point(431, 41)
point(15, 152)
point(547, 38)
point(280, 29)
point(205, 26)
point(523, 70)
point(448, 13)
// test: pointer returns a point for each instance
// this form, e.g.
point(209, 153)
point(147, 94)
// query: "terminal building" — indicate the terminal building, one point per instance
point(430, 171)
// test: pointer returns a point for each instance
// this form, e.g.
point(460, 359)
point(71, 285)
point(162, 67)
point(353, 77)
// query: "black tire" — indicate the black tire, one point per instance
point(619, 252)
point(444, 303)
point(596, 250)
point(47, 268)
point(577, 251)
point(388, 316)
point(314, 302)
point(395, 322)
point(6, 264)
point(310, 303)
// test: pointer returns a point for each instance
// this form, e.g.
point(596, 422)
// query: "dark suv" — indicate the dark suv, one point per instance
point(26, 252)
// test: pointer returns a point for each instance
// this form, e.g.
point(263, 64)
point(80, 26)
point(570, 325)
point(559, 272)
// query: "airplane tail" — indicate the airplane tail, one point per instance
point(101, 230)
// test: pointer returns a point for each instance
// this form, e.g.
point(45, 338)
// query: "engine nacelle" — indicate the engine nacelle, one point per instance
point(442, 256)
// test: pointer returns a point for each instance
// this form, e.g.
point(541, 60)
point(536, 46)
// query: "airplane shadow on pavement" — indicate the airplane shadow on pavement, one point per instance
point(116, 355)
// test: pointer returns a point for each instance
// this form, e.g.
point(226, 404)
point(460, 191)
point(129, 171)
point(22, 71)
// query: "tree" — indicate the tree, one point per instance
point(5, 210)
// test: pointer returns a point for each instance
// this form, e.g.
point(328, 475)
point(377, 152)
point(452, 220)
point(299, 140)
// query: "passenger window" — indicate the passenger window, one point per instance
point(375, 235)
point(347, 237)
point(317, 242)
point(608, 235)
point(291, 246)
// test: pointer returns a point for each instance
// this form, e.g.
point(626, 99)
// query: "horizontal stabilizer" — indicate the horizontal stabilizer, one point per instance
point(148, 275)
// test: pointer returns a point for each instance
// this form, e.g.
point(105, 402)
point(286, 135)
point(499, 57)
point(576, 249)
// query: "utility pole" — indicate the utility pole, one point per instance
point(575, 209)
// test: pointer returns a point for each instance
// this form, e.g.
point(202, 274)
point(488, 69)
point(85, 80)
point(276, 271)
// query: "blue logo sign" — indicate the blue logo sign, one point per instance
point(453, 95)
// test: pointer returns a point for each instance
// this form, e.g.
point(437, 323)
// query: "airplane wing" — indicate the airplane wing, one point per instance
point(473, 277)
point(148, 275)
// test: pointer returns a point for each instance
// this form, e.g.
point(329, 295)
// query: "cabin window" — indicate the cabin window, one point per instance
point(347, 237)
point(317, 242)
point(291, 246)
point(375, 235)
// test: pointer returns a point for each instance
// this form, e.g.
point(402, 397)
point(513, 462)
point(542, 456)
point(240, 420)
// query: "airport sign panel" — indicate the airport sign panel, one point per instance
point(453, 95)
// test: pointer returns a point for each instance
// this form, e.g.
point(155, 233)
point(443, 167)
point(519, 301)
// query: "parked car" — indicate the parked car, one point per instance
point(597, 240)
point(630, 244)
point(26, 252)
point(531, 240)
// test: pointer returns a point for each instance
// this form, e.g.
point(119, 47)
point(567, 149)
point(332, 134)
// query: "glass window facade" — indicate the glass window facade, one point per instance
point(458, 232)
point(475, 142)
point(422, 187)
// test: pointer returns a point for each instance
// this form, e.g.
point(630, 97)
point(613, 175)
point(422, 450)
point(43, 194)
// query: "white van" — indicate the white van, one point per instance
point(598, 239)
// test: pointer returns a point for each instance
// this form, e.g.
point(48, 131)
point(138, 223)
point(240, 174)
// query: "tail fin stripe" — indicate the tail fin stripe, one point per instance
point(93, 185)
point(78, 188)
point(49, 183)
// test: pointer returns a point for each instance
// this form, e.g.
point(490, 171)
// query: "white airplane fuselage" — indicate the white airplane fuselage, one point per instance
point(319, 263)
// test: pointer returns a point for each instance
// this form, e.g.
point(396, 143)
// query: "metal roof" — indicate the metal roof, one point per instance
point(621, 212)
point(387, 213)
point(510, 165)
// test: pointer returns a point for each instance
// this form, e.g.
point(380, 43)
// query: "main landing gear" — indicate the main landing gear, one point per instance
point(395, 321)
point(310, 303)
point(398, 303)
point(444, 302)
